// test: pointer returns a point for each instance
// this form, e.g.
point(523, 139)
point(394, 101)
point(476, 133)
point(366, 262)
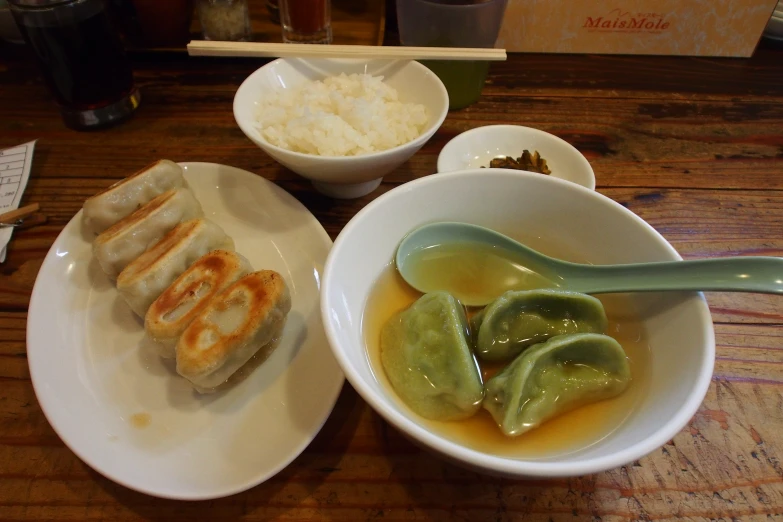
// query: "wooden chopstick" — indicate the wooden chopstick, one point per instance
point(20, 213)
point(277, 50)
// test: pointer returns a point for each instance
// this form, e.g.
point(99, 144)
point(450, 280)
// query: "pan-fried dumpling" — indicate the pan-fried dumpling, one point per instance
point(243, 318)
point(519, 319)
point(124, 197)
point(151, 273)
point(127, 239)
point(554, 377)
point(426, 356)
point(180, 303)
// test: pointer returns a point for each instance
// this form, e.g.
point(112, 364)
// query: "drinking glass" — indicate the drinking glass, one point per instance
point(453, 23)
point(81, 57)
point(306, 21)
point(161, 24)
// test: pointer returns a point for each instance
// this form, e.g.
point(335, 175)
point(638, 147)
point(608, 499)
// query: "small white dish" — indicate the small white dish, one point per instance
point(549, 214)
point(475, 148)
point(343, 177)
point(98, 388)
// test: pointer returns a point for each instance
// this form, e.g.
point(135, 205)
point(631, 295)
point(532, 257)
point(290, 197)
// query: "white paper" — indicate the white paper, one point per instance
point(14, 172)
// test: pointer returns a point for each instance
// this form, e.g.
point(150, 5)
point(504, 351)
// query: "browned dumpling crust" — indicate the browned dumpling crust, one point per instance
point(127, 195)
point(117, 246)
point(150, 274)
point(181, 302)
point(246, 316)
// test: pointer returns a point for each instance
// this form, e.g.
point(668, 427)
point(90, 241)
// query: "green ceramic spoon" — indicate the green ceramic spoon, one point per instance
point(737, 274)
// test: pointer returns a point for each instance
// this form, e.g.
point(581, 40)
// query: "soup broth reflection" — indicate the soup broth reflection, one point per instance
point(567, 433)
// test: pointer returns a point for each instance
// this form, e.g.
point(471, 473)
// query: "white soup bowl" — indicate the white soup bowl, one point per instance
point(552, 215)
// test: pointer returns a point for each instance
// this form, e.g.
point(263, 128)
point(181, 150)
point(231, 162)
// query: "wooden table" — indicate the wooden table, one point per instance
point(692, 145)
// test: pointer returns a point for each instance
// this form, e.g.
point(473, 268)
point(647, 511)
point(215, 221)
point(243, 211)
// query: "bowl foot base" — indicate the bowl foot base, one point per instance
point(346, 191)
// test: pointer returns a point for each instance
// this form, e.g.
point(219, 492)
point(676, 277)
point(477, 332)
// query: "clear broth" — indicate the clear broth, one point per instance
point(570, 432)
point(473, 274)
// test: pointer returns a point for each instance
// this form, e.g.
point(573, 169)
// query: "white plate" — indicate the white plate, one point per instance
point(95, 384)
point(475, 148)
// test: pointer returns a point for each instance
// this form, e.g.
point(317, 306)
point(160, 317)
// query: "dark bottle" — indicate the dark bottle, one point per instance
point(81, 58)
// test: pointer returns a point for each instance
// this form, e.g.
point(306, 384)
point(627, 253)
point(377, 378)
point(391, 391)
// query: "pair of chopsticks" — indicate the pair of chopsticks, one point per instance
point(14, 218)
point(370, 52)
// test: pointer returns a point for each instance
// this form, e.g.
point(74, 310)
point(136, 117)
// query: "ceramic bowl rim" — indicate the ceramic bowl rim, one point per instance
point(509, 466)
point(417, 142)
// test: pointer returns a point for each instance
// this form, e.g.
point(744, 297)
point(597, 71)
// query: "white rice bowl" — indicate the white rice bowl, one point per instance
point(344, 115)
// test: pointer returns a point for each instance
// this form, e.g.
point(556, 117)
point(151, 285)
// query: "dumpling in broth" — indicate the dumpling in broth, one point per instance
point(519, 319)
point(554, 377)
point(426, 356)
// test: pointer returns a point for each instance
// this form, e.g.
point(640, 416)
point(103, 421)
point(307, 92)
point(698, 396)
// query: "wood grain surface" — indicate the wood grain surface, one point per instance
point(692, 145)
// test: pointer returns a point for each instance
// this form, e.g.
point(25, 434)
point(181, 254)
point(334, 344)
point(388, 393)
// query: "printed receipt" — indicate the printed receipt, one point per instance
point(14, 172)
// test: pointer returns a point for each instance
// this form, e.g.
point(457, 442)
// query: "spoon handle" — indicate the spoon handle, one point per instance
point(737, 274)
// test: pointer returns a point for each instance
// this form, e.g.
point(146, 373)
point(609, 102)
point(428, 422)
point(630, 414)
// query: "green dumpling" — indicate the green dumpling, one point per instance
point(426, 356)
point(554, 377)
point(475, 325)
point(519, 319)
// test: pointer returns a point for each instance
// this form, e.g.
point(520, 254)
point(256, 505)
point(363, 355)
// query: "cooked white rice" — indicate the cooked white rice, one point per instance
point(344, 115)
